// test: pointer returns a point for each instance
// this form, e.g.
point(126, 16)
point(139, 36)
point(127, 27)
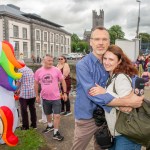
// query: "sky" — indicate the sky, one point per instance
point(76, 15)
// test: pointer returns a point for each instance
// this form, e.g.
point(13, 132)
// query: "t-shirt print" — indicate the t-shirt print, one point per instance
point(47, 79)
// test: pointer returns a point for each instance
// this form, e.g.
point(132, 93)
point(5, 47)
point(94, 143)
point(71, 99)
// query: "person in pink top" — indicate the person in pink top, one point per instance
point(49, 77)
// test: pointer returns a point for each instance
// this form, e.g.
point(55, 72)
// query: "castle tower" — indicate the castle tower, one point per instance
point(98, 20)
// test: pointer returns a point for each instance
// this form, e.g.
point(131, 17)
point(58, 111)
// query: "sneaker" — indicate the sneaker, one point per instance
point(62, 112)
point(24, 128)
point(33, 127)
point(48, 129)
point(42, 121)
point(58, 137)
point(67, 113)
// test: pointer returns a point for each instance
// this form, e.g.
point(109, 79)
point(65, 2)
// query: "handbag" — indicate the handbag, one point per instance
point(99, 116)
point(103, 137)
point(136, 124)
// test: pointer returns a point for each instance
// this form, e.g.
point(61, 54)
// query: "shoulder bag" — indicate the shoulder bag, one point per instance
point(136, 124)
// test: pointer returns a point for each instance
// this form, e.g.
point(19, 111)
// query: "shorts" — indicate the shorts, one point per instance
point(51, 106)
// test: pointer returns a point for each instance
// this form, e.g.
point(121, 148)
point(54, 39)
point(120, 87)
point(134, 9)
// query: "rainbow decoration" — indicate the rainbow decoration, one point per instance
point(8, 111)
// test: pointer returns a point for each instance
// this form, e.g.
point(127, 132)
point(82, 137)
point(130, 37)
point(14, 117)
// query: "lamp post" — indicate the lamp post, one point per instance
point(137, 31)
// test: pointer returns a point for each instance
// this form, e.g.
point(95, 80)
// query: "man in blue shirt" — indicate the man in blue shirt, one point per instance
point(90, 71)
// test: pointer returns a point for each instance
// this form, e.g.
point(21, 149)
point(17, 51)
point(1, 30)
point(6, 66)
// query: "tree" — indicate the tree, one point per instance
point(116, 33)
point(145, 37)
point(73, 46)
point(78, 45)
point(75, 38)
point(82, 46)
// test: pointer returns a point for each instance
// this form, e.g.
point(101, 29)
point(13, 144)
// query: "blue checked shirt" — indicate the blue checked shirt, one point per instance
point(89, 71)
point(27, 83)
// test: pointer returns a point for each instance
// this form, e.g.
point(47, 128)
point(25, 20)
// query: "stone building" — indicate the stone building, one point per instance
point(32, 35)
point(97, 20)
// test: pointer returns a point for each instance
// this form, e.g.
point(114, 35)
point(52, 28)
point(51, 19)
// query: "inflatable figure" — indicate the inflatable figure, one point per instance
point(8, 111)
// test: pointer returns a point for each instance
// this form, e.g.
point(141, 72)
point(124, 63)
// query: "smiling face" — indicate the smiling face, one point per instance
point(99, 42)
point(110, 61)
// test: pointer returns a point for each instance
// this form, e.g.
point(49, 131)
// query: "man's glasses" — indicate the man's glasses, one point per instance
point(60, 58)
point(98, 39)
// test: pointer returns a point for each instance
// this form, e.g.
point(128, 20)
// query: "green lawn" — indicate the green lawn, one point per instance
point(28, 140)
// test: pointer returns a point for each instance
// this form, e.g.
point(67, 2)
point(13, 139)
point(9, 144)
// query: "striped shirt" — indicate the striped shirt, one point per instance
point(27, 83)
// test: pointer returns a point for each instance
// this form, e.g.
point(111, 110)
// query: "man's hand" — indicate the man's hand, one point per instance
point(38, 99)
point(64, 97)
point(125, 109)
point(135, 101)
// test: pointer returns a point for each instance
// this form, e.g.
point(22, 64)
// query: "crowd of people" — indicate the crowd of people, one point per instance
point(50, 86)
point(143, 63)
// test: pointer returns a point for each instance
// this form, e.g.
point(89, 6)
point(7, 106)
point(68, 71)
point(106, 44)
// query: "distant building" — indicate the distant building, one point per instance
point(97, 20)
point(31, 34)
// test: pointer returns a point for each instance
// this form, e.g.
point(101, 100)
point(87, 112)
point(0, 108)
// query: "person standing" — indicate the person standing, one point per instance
point(89, 70)
point(65, 69)
point(121, 70)
point(27, 97)
point(49, 77)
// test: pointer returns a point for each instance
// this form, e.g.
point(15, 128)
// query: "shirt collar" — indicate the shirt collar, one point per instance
point(94, 58)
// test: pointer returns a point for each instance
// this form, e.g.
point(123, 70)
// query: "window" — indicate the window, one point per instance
point(16, 49)
point(62, 40)
point(52, 37)
point(66, 41)
point(56, 38)
point(44, 51)
point(16, 31)
point(37, 35)
point(24, 32)
point(45, 36)
point(38, 49)
point(25, 49)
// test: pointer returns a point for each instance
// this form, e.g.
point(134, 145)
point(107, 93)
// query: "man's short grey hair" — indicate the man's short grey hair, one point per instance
point(99, 28)
point(21, 60)
point(48, 55)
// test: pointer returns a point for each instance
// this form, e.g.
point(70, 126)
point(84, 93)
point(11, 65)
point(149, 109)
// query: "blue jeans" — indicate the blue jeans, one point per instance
point(123, 143)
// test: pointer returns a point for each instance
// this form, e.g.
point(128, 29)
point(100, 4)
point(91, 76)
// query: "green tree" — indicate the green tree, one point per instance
point(75, 38)
point(82, 46)
point(116, 33)
point(73, 46)
point(145, 37)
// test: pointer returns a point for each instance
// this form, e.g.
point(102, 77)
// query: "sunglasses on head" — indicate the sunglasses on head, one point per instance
point(60, 58)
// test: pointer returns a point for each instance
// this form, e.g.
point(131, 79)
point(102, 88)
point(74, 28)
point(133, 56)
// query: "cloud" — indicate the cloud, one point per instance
point(76, 15)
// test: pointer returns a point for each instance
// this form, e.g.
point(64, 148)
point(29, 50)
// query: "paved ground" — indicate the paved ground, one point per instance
point(67, 129)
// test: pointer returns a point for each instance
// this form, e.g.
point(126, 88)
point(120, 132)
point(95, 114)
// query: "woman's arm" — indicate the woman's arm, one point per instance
point(66, 70)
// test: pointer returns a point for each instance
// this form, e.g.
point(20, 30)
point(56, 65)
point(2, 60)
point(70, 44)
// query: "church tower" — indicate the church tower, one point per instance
point(98, 20)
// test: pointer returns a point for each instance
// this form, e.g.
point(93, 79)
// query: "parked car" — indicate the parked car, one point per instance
point(70, 55)
point(73, 55)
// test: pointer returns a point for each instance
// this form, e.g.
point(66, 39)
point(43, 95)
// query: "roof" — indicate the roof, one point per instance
point(15, 11)
point(37, 17)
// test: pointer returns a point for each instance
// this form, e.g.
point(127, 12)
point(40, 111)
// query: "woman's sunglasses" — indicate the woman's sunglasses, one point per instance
point(60, 58)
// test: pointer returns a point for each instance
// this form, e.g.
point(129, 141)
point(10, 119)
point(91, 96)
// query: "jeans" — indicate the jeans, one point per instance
point(24, 103)
point(123, 143)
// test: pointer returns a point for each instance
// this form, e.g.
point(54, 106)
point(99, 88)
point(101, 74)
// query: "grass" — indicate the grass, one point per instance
point(28, 140)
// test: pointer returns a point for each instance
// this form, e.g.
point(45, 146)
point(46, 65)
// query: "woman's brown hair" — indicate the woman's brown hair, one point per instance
point(64, 58)
point(126, 66)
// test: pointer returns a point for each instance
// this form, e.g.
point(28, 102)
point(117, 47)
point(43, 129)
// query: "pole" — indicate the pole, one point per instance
point(137, 31)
